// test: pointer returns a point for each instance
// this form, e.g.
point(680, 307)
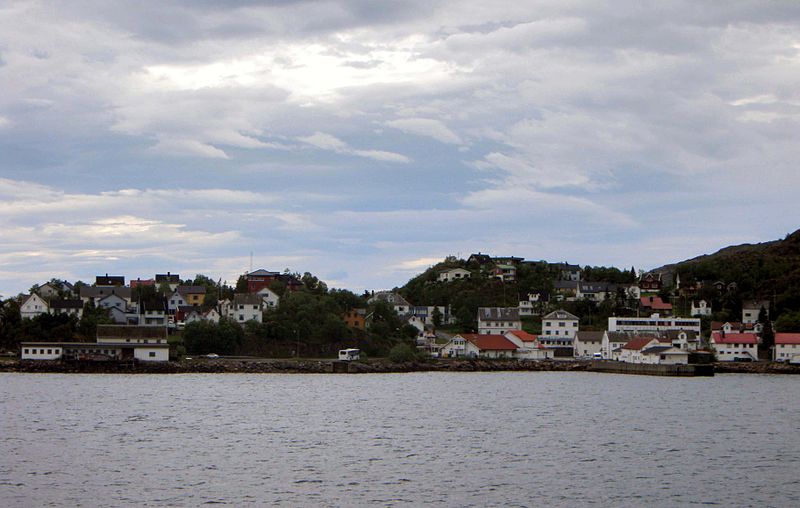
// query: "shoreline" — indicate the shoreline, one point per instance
point(300, 366)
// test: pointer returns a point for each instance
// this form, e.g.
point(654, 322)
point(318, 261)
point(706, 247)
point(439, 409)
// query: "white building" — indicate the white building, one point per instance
point(559, 324)
point(528, 346)
point(114, 342)
point(700, 308)
point(787, 347)
point(269, 297)
point(751, 310)
point(473, 345)
point(453, 274)
point(246, 307)
point(649, 350)
point(398, 303)
point(34, 306)
point(533, 304)
point(200, 314)
point(654, 323)
point(588, 343)
point(735, 346)
point(72, 307)
point(498, 320)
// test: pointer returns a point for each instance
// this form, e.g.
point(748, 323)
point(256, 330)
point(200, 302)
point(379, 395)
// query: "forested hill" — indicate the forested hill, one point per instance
point(769, 270)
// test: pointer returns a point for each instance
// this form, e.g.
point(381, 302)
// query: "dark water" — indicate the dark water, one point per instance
point(477, 439)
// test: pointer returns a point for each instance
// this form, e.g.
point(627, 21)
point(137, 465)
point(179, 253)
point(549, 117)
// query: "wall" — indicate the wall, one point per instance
point(143, 354)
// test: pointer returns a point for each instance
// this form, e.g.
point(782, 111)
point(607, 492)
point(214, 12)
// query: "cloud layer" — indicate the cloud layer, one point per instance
point(354, 139)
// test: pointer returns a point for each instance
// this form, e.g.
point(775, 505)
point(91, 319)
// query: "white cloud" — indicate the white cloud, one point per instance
point(325, 141)
point(426, 127)
point(188, 147)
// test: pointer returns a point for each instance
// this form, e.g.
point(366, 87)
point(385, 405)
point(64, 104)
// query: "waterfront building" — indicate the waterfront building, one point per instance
point(735, 346)
point(559, 326)
point(114, 342)
point(498, 320)
point(472, 345)
point(787, 347)
point(588, 343)
point(654, 323)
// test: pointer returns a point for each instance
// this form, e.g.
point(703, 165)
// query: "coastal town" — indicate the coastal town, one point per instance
point(658, 320)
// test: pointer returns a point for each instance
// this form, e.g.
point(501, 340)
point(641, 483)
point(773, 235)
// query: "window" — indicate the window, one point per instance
point(152, 354)
point(25, 351)
point(561, 323)
point(49, 351)
point(241, 317)
point(241, 307)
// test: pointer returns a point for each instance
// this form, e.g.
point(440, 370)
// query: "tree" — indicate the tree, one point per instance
point(788, 322)
point(436, 317)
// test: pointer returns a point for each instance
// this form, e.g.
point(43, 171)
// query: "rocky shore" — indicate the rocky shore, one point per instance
point(375, 366)
point(290, 366)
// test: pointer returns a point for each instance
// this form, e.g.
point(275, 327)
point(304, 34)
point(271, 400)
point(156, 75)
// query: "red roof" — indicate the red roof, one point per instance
point(734, 338)
point(638, 343)
point(787, 338)
point(655, 303)
point(485, 342)
point(524, 336)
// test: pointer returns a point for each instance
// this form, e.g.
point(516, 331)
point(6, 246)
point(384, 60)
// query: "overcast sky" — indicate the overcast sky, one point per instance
point(364, 141)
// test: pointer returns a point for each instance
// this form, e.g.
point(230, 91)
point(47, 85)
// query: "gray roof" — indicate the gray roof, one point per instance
point(498, 313)
point(103, 291)
point(188, 290)
point(263, 273)
point(389, 297)
point(565, 284)
point(130, 332)
point(561, 314)
point(66, 304)
point(589, 336)
point(655, 350)
point(247, 299)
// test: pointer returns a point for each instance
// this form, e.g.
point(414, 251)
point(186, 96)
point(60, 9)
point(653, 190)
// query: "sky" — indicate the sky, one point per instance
point(364, 141)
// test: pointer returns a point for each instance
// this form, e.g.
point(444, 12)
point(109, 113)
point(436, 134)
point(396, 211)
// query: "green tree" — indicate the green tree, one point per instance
point(436, 317)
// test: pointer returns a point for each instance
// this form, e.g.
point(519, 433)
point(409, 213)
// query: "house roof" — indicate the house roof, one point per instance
point(589, 336)
point(734, 338)
point(523, 336)
point(109, 280)
point(565, 284)
point(262, 273)
point(655, 303)
point(481, 259)
point(498, 313)
point(656, 350)
point(787, 338)
point(130, 332)
point(246, 299)
point(389, 297)
point(101, 292)
point(619, 336)
point(561, 314)
point(490, 342)
point(66, 304)
point(637, 343)
point(755, 304)
point(191, 290)
point(168, 277)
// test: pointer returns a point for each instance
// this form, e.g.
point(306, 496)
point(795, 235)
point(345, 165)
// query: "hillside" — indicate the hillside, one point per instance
point(769, 271)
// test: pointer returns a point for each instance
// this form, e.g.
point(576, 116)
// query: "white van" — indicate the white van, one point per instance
point(597, 356)
point(349, 355)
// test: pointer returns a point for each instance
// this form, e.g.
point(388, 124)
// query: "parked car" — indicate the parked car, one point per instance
point(212, 355)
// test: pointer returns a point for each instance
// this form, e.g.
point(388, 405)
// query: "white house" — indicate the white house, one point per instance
point(613, 341)
point(787, 347)
point(72, 307)
point(114, 342)
point(33, 306)
point(498, 320)
point(751, 310)
point(246, 307)
point(528, 346)
point(398, 303)
point(533, 304)
point(735, 346)
point(175, 301)
point(700, 308)
point(95, 294)
point(654, 323)
point(560, 324)
point(477, 345)
point(113, 301)
point(269, 297)
point(586, 344)
point(200, 314)
point(453, 274)
point(632, 350)
point(664, 355)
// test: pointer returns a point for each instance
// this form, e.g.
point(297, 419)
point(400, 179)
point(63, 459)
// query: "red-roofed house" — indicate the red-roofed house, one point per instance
point(528, 345)
point(655, 304)
point(631, 352)
point(787, 347)
point(735, 346)
point(475, 345)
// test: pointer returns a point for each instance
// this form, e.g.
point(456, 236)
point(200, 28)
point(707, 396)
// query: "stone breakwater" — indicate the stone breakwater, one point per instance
point(376, 366)
point(292, 366)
